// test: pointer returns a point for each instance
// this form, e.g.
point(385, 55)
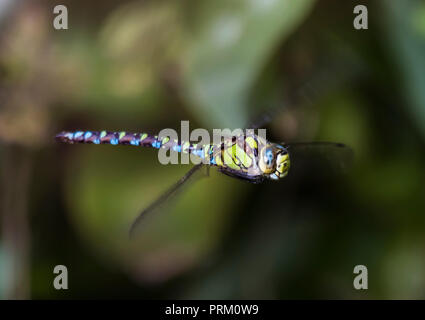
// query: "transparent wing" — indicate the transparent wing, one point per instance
point(321, 156)
point(166, 196)
point(320, 81)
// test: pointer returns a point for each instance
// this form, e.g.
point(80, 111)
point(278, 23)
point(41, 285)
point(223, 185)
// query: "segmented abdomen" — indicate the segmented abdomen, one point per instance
point(108, 137)
point(135, 139)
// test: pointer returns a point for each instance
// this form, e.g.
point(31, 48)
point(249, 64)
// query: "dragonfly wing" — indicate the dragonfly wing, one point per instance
point(262, 120)
point(325, 155)
point(321, 80)
point(167, 195)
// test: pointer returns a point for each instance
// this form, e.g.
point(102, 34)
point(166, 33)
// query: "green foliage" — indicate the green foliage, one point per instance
point(227, 46)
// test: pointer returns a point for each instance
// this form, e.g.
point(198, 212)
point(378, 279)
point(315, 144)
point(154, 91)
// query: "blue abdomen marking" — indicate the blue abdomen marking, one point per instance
point(78, 134)
point(156, 144)
point(177, 148)
point(135, 142)
point(87, 135)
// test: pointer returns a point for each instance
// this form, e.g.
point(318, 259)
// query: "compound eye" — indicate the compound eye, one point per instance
point(268, 157)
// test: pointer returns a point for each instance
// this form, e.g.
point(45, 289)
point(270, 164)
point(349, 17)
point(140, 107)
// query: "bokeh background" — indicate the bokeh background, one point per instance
point(147, 65)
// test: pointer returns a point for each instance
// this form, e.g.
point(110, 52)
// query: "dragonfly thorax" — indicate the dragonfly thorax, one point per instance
point(252, 158)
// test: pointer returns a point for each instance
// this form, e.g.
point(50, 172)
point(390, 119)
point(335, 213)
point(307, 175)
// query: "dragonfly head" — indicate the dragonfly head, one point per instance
point(274, 161)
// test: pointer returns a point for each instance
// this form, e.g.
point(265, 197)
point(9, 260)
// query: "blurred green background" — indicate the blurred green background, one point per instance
point(147, 65)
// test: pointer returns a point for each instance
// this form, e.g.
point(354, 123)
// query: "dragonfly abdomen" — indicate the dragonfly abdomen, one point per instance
point(108, 137)
point(135, 139)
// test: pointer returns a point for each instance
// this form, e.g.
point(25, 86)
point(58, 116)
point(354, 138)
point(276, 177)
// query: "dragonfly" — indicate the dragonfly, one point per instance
point(247, 157)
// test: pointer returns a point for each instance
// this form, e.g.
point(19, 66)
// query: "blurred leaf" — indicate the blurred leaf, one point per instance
point(404, 269)
point(404, 22)
point(343, 120)
point(5, 7)
point(121, 73)
point(30, 80)
point(6, 272)
point(228, 45)
point(139, 40)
